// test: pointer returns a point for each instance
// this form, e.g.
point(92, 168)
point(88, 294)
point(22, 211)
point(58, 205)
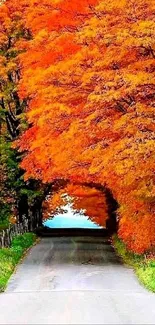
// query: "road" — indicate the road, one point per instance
point(75, 280)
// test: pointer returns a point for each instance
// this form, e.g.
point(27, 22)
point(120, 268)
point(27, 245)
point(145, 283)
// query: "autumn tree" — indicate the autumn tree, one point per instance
point(88, 73)
point(15, 193)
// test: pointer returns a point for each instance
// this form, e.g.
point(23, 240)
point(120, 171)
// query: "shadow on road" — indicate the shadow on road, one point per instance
point(58, 232)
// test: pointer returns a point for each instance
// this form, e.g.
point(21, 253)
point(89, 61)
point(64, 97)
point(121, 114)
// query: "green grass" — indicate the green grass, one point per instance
point(4, 225)
point(144, 268)
point(9, 257)
point(146, 274)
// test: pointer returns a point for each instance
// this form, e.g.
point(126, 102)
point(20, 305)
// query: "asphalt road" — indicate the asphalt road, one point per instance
point(75, 280)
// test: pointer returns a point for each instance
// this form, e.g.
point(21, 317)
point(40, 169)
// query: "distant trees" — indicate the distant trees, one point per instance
point(83, 198)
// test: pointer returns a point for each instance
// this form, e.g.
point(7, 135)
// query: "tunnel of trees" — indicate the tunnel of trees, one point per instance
point(88, 199)
point(77, 104)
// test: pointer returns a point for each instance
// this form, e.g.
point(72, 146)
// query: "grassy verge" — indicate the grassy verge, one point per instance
point(9, 257)
point(144, 267)
point(4, 225)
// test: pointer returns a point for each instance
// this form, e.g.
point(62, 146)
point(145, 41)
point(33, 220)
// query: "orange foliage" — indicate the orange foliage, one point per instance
point(89, 75)
point(90, 200)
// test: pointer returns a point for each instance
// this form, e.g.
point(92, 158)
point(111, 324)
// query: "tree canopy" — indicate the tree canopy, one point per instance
point(87, 73)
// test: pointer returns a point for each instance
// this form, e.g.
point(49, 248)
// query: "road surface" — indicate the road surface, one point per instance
point(75, 280)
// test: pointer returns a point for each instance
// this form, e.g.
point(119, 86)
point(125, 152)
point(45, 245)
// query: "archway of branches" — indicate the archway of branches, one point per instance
point(90, 200)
